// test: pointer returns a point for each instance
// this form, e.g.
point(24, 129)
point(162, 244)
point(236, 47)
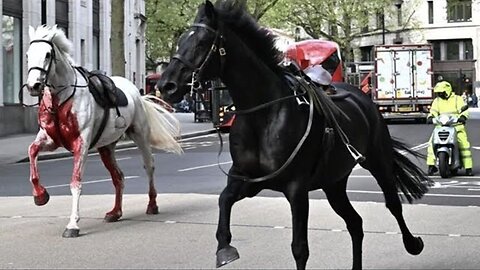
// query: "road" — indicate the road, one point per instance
point(197, 171)
point(183, 234)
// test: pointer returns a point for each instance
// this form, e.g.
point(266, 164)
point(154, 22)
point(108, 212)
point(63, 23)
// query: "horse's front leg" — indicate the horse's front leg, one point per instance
point(41, 143)
point(230, 195)
point(80, 151)
point(297, 195)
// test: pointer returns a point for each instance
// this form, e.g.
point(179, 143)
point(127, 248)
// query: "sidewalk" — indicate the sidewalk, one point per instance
point(15, 148)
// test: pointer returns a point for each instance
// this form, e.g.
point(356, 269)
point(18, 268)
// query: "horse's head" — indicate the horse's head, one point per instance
point(197, 58)
point(43, 55)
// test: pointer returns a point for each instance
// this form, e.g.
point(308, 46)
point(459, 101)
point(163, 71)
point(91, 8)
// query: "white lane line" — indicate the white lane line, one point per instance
point(420, 146)
point(426, 194)
point(204, 166)
point(92, 182)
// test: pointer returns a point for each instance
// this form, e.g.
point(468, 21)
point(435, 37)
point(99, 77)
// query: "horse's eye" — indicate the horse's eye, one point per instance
point(48, 55)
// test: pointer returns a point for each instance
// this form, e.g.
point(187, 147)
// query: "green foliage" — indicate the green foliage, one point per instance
point(168, 19)
point(337, 20)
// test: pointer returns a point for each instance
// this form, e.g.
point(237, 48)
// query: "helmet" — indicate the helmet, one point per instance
point(318, 74)
point(443, 86)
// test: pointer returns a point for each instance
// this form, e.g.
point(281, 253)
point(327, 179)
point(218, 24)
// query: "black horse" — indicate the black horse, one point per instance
point(277, 144)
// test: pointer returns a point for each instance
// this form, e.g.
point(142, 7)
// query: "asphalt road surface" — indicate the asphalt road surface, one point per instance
point(182, 236)
point(196, 171)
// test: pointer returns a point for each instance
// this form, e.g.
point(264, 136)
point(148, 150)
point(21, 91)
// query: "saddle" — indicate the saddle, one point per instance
point(103, 89)
point(107, 95)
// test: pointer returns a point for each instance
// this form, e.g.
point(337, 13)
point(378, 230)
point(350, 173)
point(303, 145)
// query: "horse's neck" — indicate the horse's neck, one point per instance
point(63, 80)
point(250, 82)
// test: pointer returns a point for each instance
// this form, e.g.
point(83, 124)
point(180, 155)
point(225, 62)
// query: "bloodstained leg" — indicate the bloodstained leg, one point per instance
point(42, 143)
point(107, 154)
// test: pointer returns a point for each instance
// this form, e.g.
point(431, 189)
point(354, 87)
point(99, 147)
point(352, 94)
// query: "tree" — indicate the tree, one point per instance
point(337, 20)
point(167, 20)
point(117, 41)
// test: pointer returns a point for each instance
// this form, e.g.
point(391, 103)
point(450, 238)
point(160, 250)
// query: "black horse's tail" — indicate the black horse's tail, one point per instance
point(408, 177)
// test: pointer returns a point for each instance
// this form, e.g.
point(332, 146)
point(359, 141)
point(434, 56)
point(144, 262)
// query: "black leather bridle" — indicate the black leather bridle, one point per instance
point(217, 47)
point(52, 58)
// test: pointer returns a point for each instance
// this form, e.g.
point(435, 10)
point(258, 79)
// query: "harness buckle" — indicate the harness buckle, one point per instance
point(222, 51)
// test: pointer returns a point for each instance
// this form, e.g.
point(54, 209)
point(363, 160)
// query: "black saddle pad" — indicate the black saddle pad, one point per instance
point(103, 89)
point(105, 92)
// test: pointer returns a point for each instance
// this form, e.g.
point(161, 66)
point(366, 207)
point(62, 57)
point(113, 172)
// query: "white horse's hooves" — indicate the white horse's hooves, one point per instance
point(71, 233)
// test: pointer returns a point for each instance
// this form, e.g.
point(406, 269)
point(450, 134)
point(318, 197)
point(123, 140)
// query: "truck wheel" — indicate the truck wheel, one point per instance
point(443, 165)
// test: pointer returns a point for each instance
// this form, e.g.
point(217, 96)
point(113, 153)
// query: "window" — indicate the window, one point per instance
point(458, 49)
point(366, 53)
point(459, 10)
point(96, 34)
point(430, 12)
point(453, 50)
point(437, 51)
point(12, 50)
point(61, 15)
point(380, 20)
point(44, 11)
point(468, 50)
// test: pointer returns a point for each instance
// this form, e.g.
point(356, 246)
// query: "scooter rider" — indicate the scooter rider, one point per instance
point(447, 102)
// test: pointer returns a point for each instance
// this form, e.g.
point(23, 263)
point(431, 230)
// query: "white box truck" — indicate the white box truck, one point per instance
point(403, 80)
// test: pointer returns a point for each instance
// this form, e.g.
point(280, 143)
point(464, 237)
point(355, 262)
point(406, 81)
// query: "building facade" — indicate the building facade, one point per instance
point(87, 25)
point(451, 26)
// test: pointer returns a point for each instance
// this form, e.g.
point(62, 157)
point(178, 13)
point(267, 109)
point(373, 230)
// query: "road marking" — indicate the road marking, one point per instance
point(92, 182)
point(426, 194)
point(204, 166)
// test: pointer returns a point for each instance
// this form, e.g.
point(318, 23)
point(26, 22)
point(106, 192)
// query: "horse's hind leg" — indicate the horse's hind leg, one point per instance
point(42, 143)
point(413, 245)
point(107, 153)
point(338, 199)
point(297, 196)
point(141, 140)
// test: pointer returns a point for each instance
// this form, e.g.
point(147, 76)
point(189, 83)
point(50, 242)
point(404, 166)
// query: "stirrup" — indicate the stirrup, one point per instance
point(120, 122)
point(357, 156)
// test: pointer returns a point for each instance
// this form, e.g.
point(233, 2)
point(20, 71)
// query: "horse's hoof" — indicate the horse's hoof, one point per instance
point(152, 210)
point(414, 246)
point(71, 233)
point(41, 199)
point(226, 255)
point(111, 218)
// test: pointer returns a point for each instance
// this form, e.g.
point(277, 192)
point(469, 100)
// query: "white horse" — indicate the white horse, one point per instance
point(70, 117)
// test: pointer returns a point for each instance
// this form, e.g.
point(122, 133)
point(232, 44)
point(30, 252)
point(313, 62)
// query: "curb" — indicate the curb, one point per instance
point(121, 145)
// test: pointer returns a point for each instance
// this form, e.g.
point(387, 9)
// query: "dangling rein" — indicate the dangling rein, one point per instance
point(314, 101)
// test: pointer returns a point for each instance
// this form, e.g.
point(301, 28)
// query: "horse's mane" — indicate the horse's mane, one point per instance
point(259, 39)
point(57, 37)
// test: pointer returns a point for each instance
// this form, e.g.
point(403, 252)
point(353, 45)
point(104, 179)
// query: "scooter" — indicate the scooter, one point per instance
point(445, 145)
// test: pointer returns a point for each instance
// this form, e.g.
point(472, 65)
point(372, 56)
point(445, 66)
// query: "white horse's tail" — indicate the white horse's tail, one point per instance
point(164, 127)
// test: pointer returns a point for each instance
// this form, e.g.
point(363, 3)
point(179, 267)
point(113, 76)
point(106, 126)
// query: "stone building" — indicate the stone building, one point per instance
point(451, 26)
point(87, 25)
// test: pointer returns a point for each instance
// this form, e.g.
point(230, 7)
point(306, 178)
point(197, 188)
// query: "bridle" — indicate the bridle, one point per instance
point(47, 73)
point(52, 58)
point(217, 46)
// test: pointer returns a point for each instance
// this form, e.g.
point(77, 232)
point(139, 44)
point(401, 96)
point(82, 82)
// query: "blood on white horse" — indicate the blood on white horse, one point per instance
point(69, 117)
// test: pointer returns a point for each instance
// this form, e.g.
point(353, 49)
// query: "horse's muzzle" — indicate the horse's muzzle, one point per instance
point(36, 89)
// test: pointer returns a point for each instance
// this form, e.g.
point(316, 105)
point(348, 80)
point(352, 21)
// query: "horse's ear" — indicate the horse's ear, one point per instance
point(210, 10)
point(31, 32)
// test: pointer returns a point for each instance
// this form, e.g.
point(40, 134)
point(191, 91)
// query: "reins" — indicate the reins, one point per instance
point(315, 101)
point(290, 158)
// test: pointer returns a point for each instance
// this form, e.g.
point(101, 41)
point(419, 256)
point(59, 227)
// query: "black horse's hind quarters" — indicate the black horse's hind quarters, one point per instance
point(275, 139)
